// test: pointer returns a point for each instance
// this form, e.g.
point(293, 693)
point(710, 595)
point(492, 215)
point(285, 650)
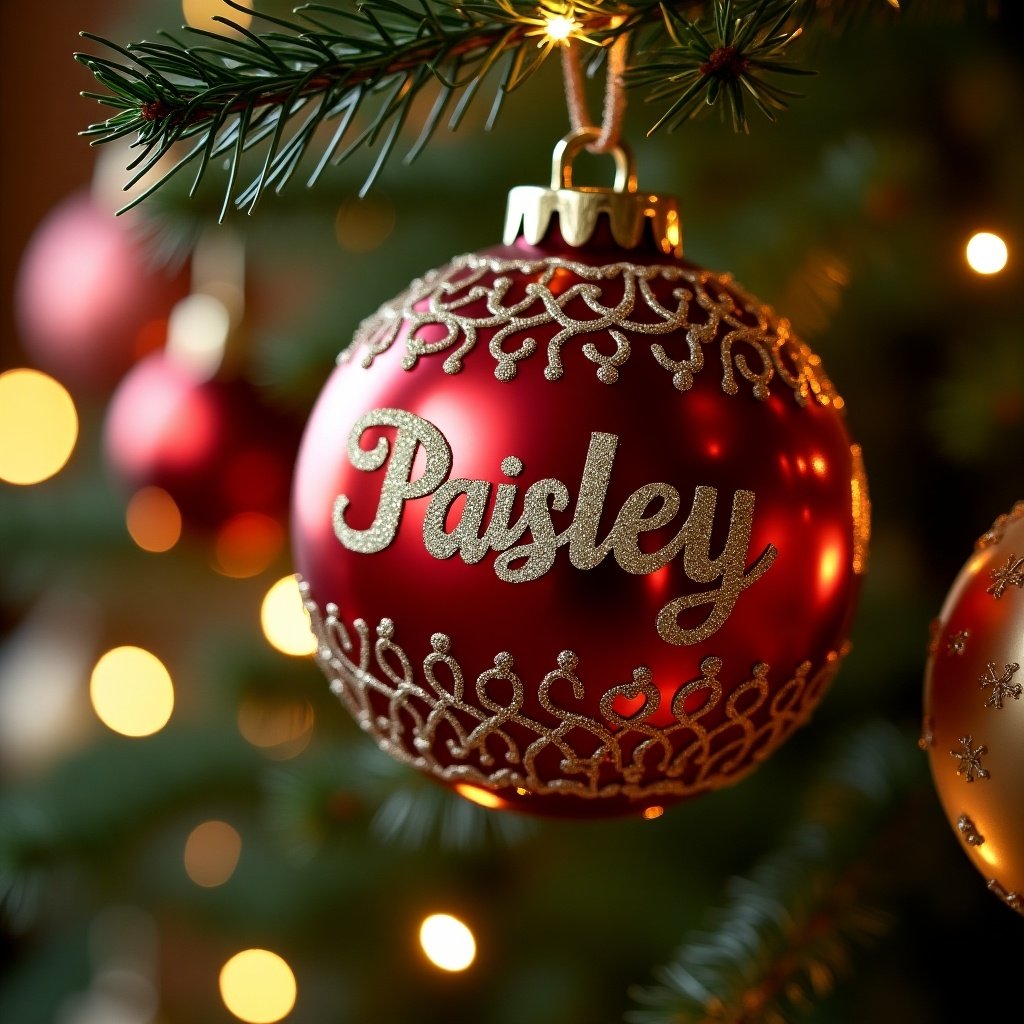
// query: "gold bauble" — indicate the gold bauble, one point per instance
point(974, 707)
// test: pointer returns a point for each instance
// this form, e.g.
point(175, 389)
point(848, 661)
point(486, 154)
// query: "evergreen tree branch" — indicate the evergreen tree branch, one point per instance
point(220, 96)
point(787, 931)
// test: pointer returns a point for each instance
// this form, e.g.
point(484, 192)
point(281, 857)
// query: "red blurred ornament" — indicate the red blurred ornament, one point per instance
point(88, 303)
point(579, 523)
point(214, 446)
point(974, 711)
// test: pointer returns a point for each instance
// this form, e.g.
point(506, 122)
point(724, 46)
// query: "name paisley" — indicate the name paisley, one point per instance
point(527, 547)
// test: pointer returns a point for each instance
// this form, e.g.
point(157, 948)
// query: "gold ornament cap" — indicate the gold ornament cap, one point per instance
point(531, 208)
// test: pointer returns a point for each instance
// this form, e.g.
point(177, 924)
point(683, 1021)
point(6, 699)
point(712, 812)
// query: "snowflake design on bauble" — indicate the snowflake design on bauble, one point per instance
point(957, 643)
point(969, 758)
point(1009, 575)
point(1001, 685)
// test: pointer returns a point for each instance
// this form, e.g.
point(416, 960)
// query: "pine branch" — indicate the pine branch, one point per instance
point(787, 931)
point(363, 68)
point(722, 60)
point(227, 94)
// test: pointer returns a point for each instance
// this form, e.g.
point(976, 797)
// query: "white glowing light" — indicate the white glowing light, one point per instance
point(986, 253)
point(197, 334)
point(447, 942)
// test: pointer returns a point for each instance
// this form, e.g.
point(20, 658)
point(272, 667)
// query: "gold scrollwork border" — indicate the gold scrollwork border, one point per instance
point(709, 310)
point(419, 714)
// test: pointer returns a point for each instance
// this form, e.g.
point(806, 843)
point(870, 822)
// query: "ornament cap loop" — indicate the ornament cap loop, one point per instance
point(568, 148)
point(631, 214)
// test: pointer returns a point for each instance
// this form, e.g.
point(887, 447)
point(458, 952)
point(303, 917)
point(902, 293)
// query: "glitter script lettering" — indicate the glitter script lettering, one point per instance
point(519, 559)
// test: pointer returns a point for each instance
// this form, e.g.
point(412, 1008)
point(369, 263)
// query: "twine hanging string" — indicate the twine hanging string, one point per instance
point(614, 93)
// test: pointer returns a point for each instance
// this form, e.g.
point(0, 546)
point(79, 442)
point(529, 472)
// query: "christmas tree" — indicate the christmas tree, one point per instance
point(191, 827)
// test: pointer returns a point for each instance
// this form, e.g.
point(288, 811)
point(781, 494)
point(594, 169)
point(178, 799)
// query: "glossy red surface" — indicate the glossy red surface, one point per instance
point(214, 446)
point(796, 460)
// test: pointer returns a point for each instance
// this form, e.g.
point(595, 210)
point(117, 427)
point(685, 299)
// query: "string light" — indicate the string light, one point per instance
point(258, 986)
point(447, 942)
point(986, 253)
point(38, 426)
point(556, 23)
point(131, 691)
point(559, 28)
point(284, 619)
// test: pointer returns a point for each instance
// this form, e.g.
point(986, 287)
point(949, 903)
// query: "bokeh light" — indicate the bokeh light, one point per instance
point(280, 726)
point(211, 853)
point(247, 544)
point(986, 253)
point(153, 519)
point(285, 620)
point(653, 812)
point(197, 335)
point(38, 426)
point(447, 942)
point(131, 691)
point(200, 14)
point(258, 986)
point(361, 225)
point(481, 797)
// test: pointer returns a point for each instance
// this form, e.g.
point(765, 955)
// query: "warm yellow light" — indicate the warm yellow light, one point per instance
point(447, 942)
point(281, 727)
point(476, 795)
point(211, 853)
point(285, 620)
point(200, 14)
point(986, 253)
point(558, 28)
point(131, 691)
point(38, 426)
point(654, 811)
point(258, 986)
point(153, 519)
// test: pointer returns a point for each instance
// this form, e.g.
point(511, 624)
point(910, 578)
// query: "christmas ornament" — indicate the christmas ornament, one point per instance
point(973, 711)
point(87, 306)
point(213, 445)
point(578, 523)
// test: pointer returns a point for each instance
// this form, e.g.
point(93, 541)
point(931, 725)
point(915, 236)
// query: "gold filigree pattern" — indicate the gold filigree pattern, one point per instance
point(444, 313)
point(419, 714)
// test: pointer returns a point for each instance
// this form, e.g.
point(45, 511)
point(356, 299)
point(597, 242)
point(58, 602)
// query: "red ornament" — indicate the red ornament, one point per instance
point(579, 523)
point(88, 304)
point(213, 445)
